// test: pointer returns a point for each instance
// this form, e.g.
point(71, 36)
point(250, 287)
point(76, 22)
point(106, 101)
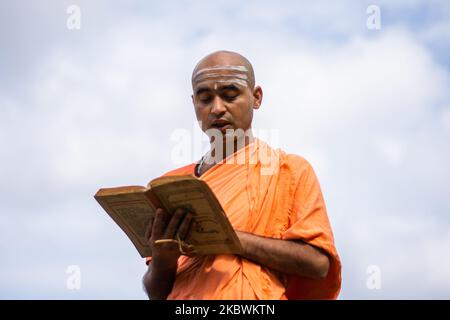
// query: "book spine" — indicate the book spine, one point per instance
point(154, 200)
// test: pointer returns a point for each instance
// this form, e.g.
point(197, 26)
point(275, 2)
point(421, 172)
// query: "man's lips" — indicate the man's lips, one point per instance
point(219, 124)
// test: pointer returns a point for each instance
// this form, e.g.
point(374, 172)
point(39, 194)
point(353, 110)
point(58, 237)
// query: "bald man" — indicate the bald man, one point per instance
point(275, 206)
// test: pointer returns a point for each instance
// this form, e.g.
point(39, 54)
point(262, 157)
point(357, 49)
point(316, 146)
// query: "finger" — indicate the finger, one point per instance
point(158, 224)
point(148, 230)
point(174, 223)
point(165, 215)
point(184, 227)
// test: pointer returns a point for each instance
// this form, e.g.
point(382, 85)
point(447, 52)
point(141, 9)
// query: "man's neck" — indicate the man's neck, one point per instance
point(227, 147)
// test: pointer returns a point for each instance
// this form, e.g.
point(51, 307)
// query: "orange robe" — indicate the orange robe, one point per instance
point(271, 194)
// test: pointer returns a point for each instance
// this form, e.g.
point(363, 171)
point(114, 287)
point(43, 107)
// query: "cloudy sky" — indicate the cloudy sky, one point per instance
point(99, 106)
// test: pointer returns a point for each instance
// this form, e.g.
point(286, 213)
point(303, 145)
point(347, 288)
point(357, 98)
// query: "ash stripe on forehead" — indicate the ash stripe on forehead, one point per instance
point(230, 80)
point(235, 81)
point(219, 75)
point(225, 68)
point(239, 76)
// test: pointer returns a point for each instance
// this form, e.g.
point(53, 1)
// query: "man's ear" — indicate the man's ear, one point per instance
point(258, 96)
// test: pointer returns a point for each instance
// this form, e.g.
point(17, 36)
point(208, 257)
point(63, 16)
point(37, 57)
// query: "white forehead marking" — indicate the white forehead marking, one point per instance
point(238, 77)
point(235, 81)
point(219, 75)
point(226, 68)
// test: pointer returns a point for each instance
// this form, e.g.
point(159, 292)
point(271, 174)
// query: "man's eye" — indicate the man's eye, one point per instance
point(204, 98)
point(231, 97)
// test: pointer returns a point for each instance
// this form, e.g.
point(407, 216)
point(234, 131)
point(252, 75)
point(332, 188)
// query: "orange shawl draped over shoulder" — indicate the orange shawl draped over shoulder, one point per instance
point(268, 193)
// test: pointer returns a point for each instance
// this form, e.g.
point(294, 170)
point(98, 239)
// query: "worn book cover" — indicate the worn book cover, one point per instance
point(131, 207)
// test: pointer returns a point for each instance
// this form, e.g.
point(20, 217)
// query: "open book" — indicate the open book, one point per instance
point(132, 207)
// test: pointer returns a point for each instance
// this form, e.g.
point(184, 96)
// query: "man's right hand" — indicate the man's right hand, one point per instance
point(166, 226)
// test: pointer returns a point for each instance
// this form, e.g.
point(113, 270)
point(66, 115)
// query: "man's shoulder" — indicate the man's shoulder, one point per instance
point(296, 162)
point(298, 167)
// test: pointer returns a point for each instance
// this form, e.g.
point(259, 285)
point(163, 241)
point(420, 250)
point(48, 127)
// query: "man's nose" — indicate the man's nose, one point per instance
point(218, 106)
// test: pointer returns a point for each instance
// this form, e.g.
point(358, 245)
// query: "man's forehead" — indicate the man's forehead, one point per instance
point(206, 86)
point(224, 66)
point(221, 74)
point(219, 68)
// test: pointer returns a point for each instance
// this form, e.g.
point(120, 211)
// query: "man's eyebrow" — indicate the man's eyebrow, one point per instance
point(228, 87)
point(221, 88)
point(201, 90)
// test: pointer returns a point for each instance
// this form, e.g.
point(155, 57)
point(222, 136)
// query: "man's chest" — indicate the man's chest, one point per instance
point(232, 192)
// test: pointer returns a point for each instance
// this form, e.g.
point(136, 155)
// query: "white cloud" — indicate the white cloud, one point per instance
point(370, 112)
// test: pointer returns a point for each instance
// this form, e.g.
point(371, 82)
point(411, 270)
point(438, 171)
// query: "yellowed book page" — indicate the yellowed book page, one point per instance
point(211, 232)
point(132, 211)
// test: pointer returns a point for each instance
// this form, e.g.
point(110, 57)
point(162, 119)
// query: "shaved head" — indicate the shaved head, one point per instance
point(224, 92)
point(225, 60)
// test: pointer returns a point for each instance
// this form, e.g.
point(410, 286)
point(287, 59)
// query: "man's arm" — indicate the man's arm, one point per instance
point(159, 279)
point(287, 256)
